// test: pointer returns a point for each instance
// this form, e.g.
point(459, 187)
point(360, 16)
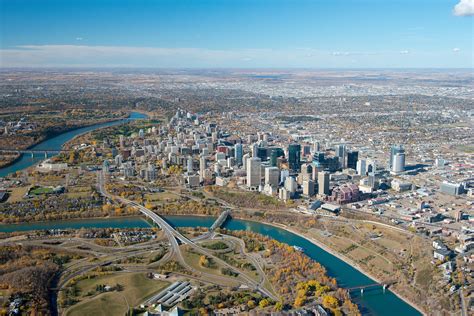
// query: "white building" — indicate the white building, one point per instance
point(254, 172)
point(272, 176)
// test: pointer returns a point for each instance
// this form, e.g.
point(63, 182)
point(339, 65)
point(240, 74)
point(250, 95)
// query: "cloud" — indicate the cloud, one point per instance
point(404, 52)
point(456, 50)
point(129, 56)
point(78, 56)
point(464, 8)
point(79, 38)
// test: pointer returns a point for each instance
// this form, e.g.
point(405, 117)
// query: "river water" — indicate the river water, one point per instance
point(372, 302)
point(56, 143)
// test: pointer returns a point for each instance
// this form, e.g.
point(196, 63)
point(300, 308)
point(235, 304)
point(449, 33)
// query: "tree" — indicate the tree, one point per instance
point(251, 304)
point(264, 303)
point(278, 306)
point(330, 302)
point(203, 261)
point(299, 301)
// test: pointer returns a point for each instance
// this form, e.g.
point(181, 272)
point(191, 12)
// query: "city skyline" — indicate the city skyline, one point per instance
point(238, 34)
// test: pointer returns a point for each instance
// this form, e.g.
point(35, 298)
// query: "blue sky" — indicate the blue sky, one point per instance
point(243, 33)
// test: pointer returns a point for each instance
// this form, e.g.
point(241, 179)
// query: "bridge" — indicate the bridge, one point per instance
point(32, 152)
point(174, 236)
point(220, 220)
point(384, 286)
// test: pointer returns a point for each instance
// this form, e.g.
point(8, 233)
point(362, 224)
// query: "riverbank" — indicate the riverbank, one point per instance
point(51, 135)
point(56, 142)
point(374, 301)
point(276, 225)
point(345, 259)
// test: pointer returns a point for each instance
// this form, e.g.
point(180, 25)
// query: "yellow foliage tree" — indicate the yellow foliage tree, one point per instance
point(264, 303)
point(330, 302)
point(251, 304)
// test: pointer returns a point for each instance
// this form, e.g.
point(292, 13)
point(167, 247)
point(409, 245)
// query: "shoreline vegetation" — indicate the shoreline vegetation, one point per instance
point(51, 135)
point(57, 133)
point(277, 225)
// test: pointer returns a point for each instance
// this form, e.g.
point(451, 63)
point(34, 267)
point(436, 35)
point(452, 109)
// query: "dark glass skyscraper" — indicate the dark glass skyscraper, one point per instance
point(294, 157)
point(275, 153)
point(352, 157)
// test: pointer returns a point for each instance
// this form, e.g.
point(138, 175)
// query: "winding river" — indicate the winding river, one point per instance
point(56, 143)
point(372, 302)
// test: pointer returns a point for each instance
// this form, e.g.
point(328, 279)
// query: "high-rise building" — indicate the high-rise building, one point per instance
point(341, 154)
point(239, 153)
point(272, 176)
point(253, 172)
point(294, 156)
point(253, 149)
point(275, 153)
point(398, 163)
point(352, 157)
point(290, 185)
point(395, 149)
point(262, 153)
point(308, 187)
point(122, 141)
point(321, 162)
point(361, 167)
point(189, 164)
point(202, 168)
point(323, 183)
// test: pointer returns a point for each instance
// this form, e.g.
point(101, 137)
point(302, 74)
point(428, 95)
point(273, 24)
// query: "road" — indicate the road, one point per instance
point(173, 236)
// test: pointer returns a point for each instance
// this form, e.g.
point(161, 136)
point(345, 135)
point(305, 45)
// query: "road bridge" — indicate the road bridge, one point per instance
point(174, 235)
point(220, 220)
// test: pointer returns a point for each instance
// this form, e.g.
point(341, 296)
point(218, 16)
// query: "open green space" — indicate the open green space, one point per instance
point(136, 288)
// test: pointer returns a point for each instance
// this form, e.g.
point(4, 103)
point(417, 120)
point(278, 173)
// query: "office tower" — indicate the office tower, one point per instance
point(202, 168)
point(262, 153)
point(275, 153)
point(230, 162)
point(308, 187)
point(290, 184)
point(284, 174)
point(323, 183)
point(341, 154)
point(306, 150)
point(254, 172)
point(253, 149)
point(398, 163)
point(238, 153)
point(214, 137)
point(272, 176)
point(325, 163)
point(122, 141)
point(316, 147)
point(362, 167)
point(189, 165)
point(395, 149)
point(294, 157)
point(352, 157)
point(371, 167)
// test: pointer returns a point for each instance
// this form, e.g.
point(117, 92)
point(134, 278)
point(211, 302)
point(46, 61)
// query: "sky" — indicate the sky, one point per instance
point(237, 33)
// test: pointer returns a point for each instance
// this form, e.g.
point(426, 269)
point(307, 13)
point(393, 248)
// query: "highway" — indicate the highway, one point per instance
point(173, 236)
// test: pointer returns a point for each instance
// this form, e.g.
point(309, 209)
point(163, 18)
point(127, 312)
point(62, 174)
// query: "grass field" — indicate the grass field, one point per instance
point(17, 194)
point(136, 288)
point(41, 190)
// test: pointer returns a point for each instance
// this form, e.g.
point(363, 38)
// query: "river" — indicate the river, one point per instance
point(372, 302)
point(56, 143)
